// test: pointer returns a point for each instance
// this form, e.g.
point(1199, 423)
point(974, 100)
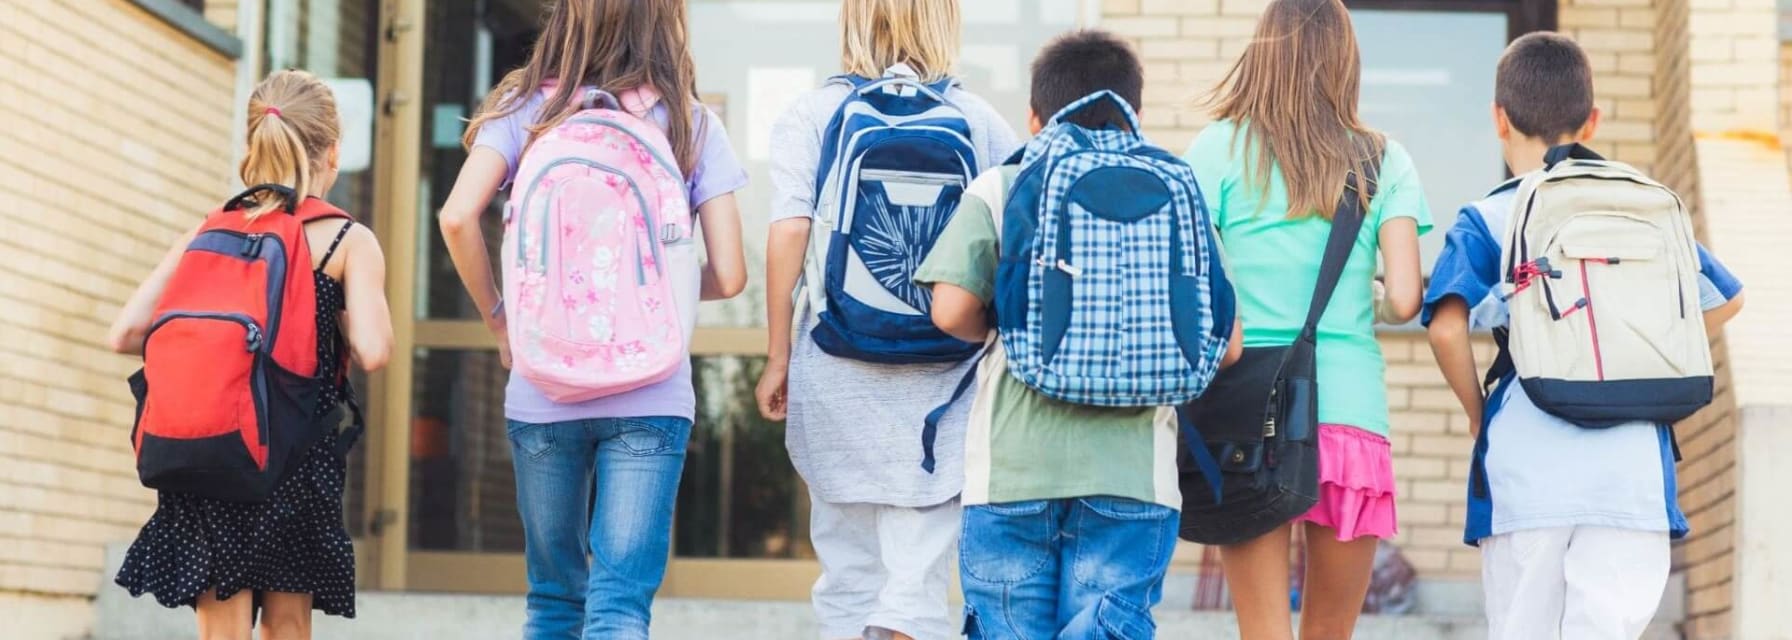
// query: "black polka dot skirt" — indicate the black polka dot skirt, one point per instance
point(294, 542)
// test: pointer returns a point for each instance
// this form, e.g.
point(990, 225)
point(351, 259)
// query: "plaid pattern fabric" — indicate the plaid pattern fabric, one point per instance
point(1119, 349)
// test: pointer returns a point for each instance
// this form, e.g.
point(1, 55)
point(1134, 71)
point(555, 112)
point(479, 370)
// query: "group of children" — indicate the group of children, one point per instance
point(1063, 517)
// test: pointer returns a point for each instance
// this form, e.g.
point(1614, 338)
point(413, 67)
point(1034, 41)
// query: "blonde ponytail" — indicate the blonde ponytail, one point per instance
point(292, 125)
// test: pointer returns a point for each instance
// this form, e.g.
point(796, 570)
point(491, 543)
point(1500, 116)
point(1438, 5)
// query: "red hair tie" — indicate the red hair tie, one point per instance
point(273, 111)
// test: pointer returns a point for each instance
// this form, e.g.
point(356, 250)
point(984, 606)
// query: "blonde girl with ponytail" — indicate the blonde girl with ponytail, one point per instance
point(279, 559)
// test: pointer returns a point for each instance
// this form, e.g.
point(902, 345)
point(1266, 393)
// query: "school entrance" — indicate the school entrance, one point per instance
point(432, 501)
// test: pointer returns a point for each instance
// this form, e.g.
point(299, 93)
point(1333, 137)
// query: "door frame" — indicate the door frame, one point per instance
point(1522, 16)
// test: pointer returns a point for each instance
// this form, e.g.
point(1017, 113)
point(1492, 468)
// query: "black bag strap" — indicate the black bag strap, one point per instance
point(346, 440)
point(247, 197)
point(1347, 222)
point(1571, 151)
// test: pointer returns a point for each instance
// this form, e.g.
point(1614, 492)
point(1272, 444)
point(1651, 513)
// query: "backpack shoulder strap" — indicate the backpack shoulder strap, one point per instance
point(1347, 222)
point(314, 209)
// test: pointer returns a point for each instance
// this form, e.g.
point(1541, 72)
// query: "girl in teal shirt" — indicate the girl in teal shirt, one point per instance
point(1272, 168)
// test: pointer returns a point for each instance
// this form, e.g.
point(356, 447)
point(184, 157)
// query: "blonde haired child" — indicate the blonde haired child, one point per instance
point(883, 528)
point(291, 553)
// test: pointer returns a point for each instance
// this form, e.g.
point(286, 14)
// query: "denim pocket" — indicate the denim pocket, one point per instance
point(649, 436)
point(1122, 509)
point(530, 440)
point(1006, 543)
point(1121, 544)
point(1122, 620)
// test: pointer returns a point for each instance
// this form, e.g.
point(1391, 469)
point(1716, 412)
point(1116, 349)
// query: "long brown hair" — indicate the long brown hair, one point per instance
point(614, 45)
point(292, 126)
point(1294, 95)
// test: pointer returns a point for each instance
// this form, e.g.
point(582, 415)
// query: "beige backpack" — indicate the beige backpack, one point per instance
point(1601, 277)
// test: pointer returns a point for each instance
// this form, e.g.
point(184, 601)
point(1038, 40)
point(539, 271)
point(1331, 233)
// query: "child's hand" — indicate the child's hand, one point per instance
point(773, 392)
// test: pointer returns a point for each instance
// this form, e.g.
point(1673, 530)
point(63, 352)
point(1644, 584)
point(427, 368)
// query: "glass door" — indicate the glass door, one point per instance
point(339, 41)
point(448, 520)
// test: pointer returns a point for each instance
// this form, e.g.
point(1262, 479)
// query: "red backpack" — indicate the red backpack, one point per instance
point(230, 378)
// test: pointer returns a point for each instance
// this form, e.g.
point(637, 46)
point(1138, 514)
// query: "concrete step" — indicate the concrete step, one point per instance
point(385, 615)
point(420, 616)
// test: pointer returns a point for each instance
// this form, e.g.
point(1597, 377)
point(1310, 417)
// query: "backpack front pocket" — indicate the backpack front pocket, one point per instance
point(209, 387)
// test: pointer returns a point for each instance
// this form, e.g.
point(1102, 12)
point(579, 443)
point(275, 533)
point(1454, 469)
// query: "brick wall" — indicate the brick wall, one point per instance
point(1189, 44)
point(1735, 49)
point(117, 136)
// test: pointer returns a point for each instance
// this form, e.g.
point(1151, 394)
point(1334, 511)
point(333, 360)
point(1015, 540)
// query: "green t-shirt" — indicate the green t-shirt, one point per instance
point(1021, 445)
point(1273, 262)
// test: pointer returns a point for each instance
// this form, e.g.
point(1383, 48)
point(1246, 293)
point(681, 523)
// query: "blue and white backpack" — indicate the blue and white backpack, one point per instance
point(1109, 291)
point(896, 158)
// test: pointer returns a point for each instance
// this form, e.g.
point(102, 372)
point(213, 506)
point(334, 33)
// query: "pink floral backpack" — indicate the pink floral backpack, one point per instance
point(590, 300)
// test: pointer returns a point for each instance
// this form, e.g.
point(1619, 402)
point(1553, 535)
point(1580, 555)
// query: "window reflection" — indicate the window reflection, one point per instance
point(1425, 76)
point(463, 492)
point(740, 497)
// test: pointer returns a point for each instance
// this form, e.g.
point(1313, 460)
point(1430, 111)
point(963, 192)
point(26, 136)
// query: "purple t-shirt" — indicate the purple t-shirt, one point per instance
point(717, 173)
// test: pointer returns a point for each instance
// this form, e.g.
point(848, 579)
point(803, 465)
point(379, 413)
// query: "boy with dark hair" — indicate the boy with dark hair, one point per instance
point(1070, 510)
point(1573, 522)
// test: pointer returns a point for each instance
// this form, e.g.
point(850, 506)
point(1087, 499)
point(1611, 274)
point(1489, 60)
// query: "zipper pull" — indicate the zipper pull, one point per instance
point(251, 245)
point(254, 338)
point(1071, 269)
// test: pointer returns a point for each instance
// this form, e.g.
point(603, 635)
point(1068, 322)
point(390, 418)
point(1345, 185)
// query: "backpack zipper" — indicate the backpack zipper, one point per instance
point(647, 215)
point(1586, 301)
point(266, 247)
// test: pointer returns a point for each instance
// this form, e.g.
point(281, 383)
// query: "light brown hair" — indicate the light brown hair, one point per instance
point(1294, 96)
point(877, 34)
point(616, 46)
point(292, 127)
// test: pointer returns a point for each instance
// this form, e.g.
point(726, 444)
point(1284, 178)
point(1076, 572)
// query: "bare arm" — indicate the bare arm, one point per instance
point(479, 180)
point(1234, 347)
point(725, 275)
point(1456, 357)
point(367, 318)
point(1401, 278)
point(1716, 317)
point(959, 313)
point(786, 245)
point(132, 326)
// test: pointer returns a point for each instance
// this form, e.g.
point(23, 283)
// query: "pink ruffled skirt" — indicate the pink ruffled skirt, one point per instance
point(1356, 484)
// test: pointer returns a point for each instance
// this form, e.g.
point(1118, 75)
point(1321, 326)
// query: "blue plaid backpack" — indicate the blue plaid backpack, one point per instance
point(896, 158)
point(1109, 291)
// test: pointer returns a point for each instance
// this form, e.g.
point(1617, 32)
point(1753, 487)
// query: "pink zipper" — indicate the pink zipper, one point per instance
point(1592, 325)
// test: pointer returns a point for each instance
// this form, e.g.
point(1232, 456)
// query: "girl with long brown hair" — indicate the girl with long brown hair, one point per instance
point(1273, 167)
point(291, 552)
point(597, 479)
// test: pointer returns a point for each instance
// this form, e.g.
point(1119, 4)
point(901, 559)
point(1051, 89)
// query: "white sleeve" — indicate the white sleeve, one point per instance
point(795, 157)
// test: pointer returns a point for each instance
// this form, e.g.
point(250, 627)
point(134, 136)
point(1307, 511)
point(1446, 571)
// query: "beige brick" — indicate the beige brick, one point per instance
point(1180, 7)
point(1111, 8)
point(1180, 49)
point(1143, 26)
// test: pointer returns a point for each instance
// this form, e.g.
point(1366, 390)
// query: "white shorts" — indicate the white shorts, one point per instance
point(884, 569)
point(1573, 583)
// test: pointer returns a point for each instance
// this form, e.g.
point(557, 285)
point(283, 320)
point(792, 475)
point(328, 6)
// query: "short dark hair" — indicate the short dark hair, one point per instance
point(1083, 62)
point(1545, 85)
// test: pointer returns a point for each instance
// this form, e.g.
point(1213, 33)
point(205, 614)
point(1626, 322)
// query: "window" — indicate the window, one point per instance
point(1428, 68)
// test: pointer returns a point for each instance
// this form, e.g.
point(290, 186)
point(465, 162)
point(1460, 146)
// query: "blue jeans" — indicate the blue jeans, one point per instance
point(1074, 569)
point(596, 561)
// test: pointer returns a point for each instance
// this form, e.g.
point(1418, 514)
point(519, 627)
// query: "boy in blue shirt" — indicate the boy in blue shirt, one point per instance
point(1573, 523)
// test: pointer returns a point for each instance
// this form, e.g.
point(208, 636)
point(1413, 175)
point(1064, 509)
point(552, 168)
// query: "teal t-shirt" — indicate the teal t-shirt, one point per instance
point(1273, 262)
